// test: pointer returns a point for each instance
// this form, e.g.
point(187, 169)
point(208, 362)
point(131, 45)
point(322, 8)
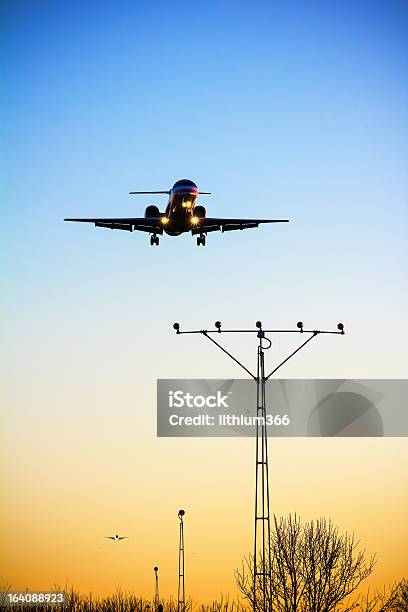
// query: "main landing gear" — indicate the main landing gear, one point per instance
point(154, 240)
point(201, 240)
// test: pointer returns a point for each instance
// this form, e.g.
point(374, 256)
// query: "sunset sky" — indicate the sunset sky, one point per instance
point(283, 110)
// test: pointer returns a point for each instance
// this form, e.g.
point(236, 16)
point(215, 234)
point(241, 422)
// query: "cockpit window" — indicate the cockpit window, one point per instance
point(184, 183)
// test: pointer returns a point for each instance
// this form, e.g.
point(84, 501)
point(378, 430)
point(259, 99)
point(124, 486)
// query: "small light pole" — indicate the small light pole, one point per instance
point(156, 587)
point(181, 596)
point(262, 571)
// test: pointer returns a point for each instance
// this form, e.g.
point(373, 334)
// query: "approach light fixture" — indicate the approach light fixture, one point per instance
point(218, 326)
point(164, 220)
point(259, 324)
point(340, 327)
point(195, 220)
point(299, 325)
point(156, 569)
point(181, 513)
point(176, 326)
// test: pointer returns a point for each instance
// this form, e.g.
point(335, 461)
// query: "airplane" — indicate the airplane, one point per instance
point(182, 215)
point(116, 538)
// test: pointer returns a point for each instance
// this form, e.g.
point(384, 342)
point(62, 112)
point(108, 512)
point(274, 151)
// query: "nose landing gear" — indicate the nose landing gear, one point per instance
point(154, 240)
point(201, 240)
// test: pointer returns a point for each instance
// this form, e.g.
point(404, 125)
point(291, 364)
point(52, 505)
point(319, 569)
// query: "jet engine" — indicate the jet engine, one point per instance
point(200, 212)
point(152, 211)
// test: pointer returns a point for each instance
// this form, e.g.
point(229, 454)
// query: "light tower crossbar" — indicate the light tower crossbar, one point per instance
point(262, 560)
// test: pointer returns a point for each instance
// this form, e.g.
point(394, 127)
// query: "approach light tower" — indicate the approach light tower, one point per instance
point(181, 593)
point(156, 588)
point(262, 568)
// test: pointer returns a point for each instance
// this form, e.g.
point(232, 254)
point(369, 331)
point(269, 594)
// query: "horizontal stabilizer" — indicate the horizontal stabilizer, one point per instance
point(146, 192)
point(166, 192)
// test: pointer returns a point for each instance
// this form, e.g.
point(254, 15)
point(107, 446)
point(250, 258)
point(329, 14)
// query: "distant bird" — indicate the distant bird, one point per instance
point(116, 538)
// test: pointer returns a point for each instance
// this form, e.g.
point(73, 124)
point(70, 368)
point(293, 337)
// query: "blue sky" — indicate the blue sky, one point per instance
point(292, 110)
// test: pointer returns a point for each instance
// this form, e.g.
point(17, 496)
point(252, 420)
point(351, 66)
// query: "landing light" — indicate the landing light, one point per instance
point(194, 220)
point(164, 220)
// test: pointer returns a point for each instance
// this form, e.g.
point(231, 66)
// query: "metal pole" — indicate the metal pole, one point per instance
point(181, 596)
point(262, 579)
point(156, 590)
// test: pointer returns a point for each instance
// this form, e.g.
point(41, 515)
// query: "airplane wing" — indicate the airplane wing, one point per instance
point(109, 537)
point(151, 224)
point(123, 538)
point(213, 224)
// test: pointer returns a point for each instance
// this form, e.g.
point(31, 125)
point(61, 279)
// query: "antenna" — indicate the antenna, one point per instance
point(262, 568)
point(181, 596)
point(156, 588)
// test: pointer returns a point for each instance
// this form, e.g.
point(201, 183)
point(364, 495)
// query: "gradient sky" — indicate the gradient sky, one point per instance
point(295, 110)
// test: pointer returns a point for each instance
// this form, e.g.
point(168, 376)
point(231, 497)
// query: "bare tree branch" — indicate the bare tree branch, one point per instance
point(314, 568)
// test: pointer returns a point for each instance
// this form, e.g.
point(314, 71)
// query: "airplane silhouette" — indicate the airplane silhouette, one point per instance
point(181, 215)
point(116, 538)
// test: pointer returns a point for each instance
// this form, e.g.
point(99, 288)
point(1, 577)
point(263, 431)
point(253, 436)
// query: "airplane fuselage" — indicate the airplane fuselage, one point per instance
point(179, 216)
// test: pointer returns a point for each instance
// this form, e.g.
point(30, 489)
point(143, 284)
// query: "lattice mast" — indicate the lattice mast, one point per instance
point(262, 562)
